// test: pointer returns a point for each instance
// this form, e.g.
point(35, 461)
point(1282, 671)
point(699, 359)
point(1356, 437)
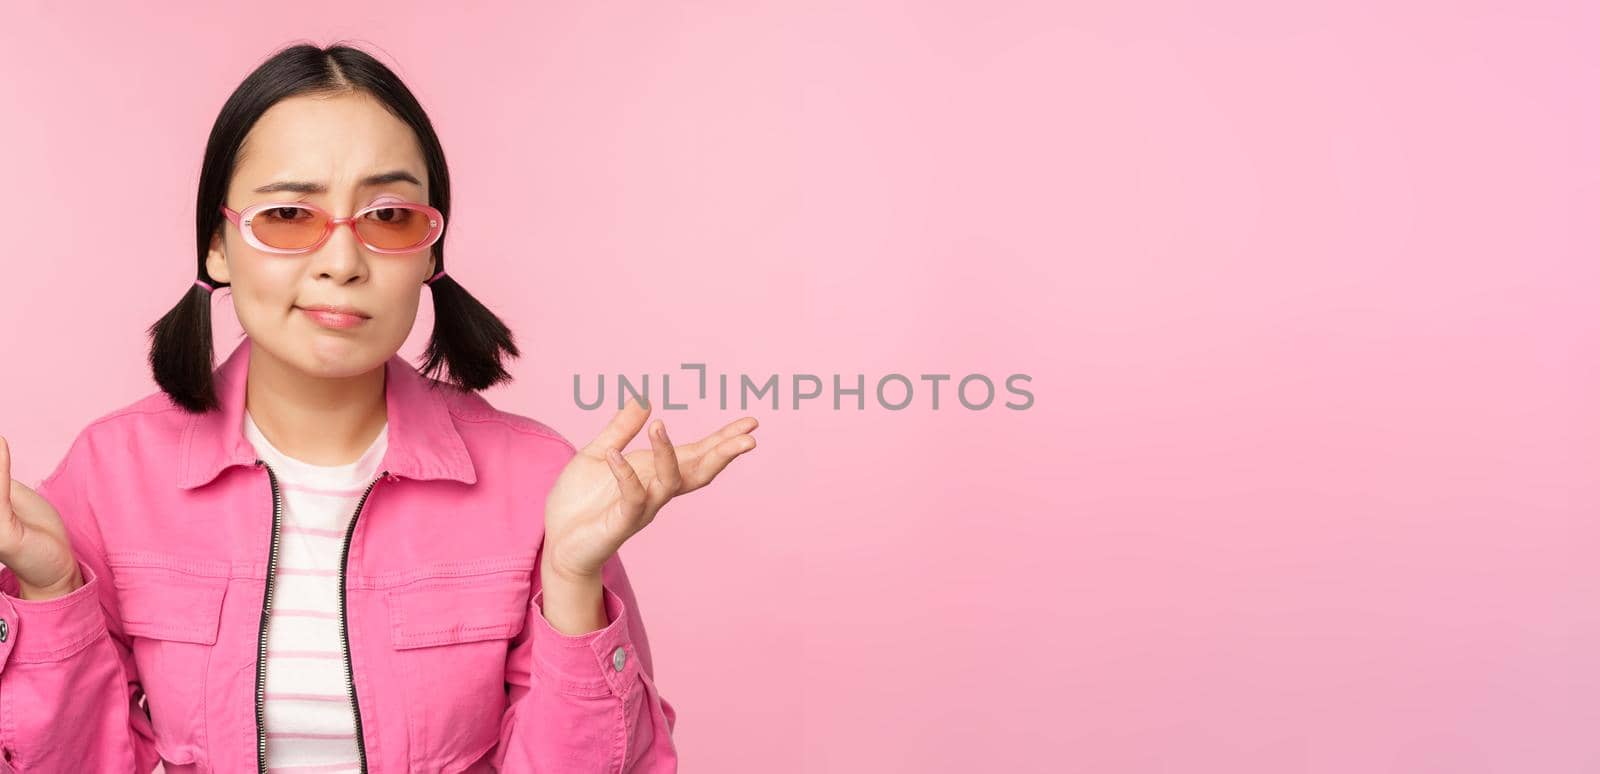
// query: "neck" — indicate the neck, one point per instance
point(315, 419)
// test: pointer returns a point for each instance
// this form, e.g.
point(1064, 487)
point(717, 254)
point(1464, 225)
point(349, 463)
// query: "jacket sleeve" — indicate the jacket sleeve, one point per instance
point(586, 703)
point(69, 691)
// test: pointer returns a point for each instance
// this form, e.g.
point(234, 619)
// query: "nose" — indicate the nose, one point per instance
point(343, 257)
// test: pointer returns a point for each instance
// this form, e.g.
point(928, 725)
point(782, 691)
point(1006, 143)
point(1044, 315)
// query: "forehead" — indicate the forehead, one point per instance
point(334, 140)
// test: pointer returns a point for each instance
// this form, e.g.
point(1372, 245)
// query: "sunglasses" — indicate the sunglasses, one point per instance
point(389, 226)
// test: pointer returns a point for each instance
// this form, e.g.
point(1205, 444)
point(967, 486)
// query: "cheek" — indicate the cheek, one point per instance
point(266, 278)
point(401, 315)
point(263, 294)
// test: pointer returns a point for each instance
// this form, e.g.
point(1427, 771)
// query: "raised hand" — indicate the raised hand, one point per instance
point(33, 541)
point(602, 498)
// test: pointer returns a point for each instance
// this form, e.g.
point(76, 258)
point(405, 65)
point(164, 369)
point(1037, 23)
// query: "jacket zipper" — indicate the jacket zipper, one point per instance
point(344, 631)
point(261, 639)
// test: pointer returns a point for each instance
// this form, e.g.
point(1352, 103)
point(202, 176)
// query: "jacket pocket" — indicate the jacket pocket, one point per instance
point(451, 638)
point(171, 618)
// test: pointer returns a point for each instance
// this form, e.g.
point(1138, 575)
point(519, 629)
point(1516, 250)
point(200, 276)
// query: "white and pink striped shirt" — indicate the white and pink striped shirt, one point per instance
point(310, 724)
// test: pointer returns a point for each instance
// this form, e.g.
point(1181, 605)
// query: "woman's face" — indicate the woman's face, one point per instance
point(331, 144)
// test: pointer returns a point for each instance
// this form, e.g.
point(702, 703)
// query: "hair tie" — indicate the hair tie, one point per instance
point(430, 280)
point(202, 283)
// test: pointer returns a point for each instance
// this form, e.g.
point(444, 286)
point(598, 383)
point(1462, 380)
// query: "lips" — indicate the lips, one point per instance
point(337, 309)
point(333, 317)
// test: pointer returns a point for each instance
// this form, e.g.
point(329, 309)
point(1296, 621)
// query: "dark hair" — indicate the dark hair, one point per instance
point(467, 337)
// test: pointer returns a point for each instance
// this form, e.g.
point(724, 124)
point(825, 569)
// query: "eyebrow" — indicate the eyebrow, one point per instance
point(296, 186)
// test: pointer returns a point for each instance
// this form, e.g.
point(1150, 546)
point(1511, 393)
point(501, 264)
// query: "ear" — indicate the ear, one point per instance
point(217, 259)
point(433, 260)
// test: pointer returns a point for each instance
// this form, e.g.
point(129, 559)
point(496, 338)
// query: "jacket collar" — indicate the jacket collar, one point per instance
point(423, 441)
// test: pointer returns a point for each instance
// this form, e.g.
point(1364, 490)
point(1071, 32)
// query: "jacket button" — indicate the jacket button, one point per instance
point(618, 658)
point(5, 630)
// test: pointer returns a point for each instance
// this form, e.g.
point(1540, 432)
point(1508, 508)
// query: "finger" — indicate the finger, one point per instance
point(715, 460)
point(737, 427)
point(667, 476)
point(11, 527)
point(633, 494)
point(5, 475)
point(624, 425)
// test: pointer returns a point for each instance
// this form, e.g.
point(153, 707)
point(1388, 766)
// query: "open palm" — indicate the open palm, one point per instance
point(602, 498)
point(33, 540)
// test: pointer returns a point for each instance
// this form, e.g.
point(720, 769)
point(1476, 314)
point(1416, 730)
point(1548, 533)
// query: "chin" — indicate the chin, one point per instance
point(330, 357)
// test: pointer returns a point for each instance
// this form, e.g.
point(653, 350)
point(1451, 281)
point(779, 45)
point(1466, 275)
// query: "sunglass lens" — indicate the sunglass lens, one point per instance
point(288, 227)
point(395, 228)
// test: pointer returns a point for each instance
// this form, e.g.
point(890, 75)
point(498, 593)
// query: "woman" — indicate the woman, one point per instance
point(315, 558)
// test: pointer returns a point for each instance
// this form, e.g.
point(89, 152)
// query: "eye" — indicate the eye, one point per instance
point(284, 214)
point(392, 215)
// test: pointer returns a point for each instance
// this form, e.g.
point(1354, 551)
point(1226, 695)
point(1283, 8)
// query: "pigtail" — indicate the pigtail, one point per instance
point(180, 352)
point(468, 339)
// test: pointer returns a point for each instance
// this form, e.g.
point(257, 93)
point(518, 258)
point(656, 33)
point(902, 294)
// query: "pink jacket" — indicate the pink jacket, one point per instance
point(453, 667)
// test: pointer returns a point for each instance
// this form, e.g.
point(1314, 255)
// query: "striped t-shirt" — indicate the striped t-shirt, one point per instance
point(310, 724)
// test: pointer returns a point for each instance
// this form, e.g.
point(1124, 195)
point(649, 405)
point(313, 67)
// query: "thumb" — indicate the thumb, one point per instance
point(624, 425)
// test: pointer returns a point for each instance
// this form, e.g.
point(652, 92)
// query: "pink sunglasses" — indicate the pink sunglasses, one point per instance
point(289, 228)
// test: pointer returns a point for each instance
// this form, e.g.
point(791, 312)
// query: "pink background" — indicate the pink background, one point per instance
point(1306, 296)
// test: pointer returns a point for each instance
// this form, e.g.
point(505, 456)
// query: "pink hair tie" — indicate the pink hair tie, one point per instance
point(202, 283)
point(434, 277)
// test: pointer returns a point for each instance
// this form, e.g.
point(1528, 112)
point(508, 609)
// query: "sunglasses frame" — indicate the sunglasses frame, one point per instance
point(241, 219)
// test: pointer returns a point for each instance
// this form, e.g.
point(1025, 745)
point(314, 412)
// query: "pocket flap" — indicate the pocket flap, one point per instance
point(167, 604)
point(444, 611)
